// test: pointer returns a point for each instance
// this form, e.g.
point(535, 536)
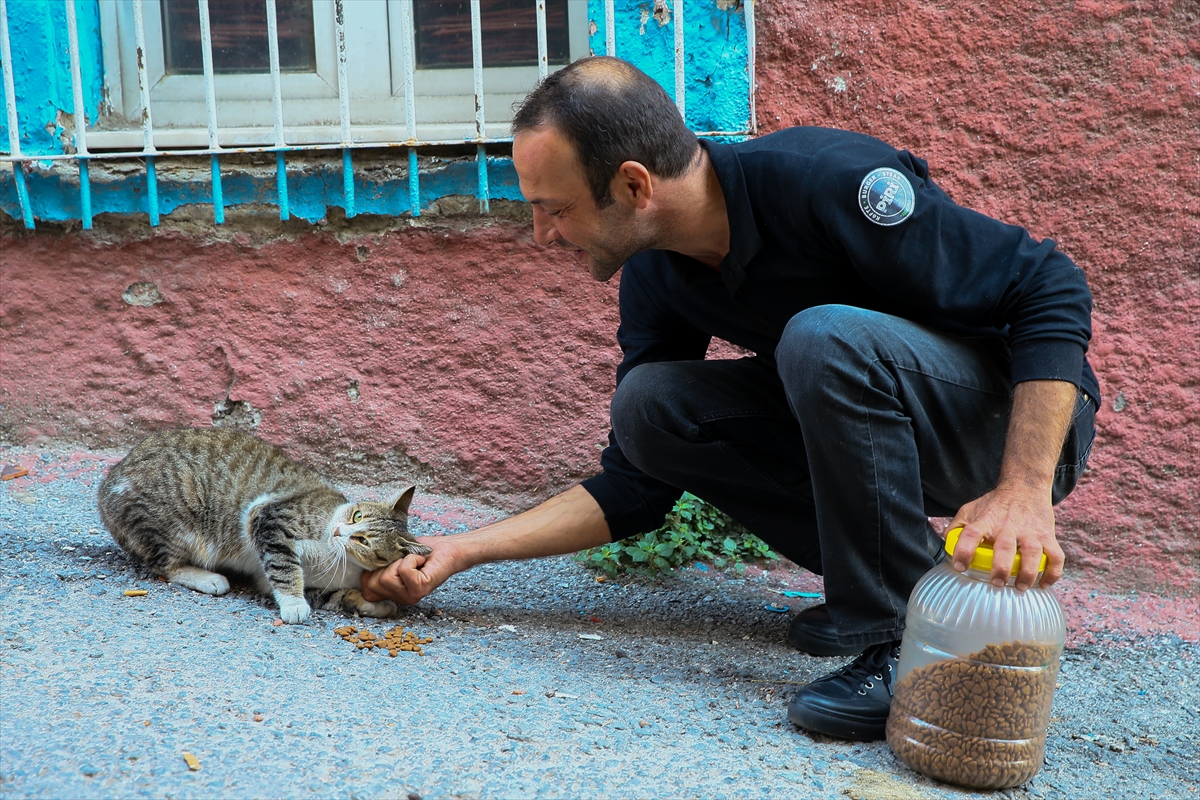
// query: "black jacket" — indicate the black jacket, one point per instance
point(820, 216)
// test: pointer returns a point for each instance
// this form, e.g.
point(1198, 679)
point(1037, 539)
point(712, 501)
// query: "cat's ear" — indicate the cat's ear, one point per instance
point(400, 504)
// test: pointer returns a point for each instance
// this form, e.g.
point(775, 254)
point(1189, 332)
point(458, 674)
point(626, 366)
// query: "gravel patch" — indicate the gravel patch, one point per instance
point(539, 682)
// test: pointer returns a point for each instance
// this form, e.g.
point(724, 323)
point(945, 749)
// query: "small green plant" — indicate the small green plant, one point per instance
point(693, 531)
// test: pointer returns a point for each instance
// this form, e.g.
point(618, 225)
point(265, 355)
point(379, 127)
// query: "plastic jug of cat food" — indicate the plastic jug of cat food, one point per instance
point(976, 678)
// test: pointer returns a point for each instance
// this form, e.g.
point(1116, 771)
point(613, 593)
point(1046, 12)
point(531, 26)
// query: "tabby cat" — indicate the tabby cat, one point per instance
point(193, 503)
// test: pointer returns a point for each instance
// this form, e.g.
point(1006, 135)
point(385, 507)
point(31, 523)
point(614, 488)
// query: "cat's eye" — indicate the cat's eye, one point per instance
point(356, 517)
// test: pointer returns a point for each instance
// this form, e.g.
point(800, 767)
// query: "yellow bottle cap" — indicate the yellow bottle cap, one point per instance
point(982, 560)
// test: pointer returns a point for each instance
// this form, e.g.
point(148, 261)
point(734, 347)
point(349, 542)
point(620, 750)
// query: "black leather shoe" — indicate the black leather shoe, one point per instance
point(811, 631)
point(852, 703)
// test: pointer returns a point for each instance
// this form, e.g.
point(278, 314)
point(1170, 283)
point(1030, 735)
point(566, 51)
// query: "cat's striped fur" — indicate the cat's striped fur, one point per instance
point(197, 502)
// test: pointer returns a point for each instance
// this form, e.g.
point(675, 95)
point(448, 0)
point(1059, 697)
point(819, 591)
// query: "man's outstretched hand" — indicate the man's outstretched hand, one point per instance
point(565, 523)
point(413, 577)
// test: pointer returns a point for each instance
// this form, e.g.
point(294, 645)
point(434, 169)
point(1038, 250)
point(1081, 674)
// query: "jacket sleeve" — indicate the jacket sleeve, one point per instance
point(632, 501)
point(946, 261)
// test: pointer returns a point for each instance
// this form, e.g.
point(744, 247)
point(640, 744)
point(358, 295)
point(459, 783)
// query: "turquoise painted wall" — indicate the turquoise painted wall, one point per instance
point(716, 74)
point(716, 50)
point(37, 31)
point(55, 195)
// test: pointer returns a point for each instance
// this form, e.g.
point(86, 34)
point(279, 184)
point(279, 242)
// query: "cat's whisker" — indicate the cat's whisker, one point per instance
point(332, 559)
point(338, 559)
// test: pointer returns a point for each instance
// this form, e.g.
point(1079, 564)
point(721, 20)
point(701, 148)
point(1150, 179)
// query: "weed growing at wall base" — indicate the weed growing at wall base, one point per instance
point(693, 531)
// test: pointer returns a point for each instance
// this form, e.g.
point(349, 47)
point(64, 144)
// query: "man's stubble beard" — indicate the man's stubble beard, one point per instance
point(603, 270)
point(627, 240)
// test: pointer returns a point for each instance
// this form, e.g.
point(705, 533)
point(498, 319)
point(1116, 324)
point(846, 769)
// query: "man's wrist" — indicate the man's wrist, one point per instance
point(461, 551)
point(1041, 415)
point(1026, 483)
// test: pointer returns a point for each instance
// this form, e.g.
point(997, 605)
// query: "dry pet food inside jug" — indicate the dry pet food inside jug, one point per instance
point(978, 666)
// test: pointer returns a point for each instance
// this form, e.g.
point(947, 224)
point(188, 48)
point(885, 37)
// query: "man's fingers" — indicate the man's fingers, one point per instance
point(414, 584)
point(1012, 524)
point(1031, 557)
point(372, 584)
point(365, 585)
point(1004, 551)
point(968, 539)
point(393, 582)
point(1055, 559)
point(412, 562)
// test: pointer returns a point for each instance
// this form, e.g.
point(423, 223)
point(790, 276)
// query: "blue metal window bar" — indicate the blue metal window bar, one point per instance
point(280, 147)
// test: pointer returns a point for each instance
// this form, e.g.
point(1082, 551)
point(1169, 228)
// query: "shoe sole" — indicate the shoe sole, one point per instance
point(842, 727)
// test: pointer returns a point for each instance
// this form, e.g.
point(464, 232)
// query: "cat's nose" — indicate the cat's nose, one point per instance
point(337, 531)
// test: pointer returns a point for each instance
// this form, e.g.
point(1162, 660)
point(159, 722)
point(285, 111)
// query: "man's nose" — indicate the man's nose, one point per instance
point(544, 232)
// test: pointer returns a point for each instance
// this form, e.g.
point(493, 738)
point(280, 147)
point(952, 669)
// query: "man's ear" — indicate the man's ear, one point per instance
point(400, 504)
point(633, 185)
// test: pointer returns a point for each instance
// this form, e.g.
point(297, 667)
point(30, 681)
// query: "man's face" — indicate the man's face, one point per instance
point(564, 212)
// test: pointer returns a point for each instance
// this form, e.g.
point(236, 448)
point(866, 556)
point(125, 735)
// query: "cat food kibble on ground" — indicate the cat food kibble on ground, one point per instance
point(395, 641)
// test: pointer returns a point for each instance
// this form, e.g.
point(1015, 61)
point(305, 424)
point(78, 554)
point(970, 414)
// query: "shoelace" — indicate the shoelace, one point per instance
point(865, 687)
point(854, 670)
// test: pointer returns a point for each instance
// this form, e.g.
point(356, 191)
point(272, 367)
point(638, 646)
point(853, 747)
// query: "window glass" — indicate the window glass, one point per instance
point(239, 36)
point(508, 35)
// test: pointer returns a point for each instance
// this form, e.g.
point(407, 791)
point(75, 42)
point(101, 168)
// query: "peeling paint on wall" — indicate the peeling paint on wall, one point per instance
point(716, 54)
point(236, 414)
point(143, 293)
point(315, 185)
point(718, 99)
point(662, 13)
point(42, 72)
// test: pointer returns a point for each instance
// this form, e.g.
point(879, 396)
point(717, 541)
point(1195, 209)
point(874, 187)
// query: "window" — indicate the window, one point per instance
point(713, 72)
point(239, 37)
point(377, 49)
point(509, 33)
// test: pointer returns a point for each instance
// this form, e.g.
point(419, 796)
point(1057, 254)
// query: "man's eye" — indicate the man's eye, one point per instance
point(357, 516)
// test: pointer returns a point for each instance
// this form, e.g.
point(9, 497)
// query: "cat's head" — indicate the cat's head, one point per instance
point(376, 534)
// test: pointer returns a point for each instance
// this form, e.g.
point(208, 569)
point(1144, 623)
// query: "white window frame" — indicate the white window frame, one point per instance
point(445, 97)
point(445, 100)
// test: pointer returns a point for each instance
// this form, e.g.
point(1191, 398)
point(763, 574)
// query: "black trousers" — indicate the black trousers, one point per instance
point(837, 454)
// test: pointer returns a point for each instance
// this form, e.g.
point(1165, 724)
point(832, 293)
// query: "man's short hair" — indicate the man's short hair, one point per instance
point(611, 112)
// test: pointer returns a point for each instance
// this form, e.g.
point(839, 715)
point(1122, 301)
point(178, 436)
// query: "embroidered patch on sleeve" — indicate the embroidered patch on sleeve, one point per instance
point(886, 197)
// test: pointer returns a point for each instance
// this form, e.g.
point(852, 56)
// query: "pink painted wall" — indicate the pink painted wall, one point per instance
point(484, 365)
point(464, 359)
point(1081, 122)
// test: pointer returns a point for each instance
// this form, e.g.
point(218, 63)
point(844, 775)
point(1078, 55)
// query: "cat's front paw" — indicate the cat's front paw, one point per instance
point(292, 609)
point(382, 608)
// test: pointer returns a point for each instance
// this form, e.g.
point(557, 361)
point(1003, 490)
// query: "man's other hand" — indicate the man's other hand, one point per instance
point(565, 523)
point(1013, 522)
point(1018, 516)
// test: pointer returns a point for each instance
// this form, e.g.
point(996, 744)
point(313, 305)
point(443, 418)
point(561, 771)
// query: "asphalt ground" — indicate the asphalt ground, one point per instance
point(539, 681)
